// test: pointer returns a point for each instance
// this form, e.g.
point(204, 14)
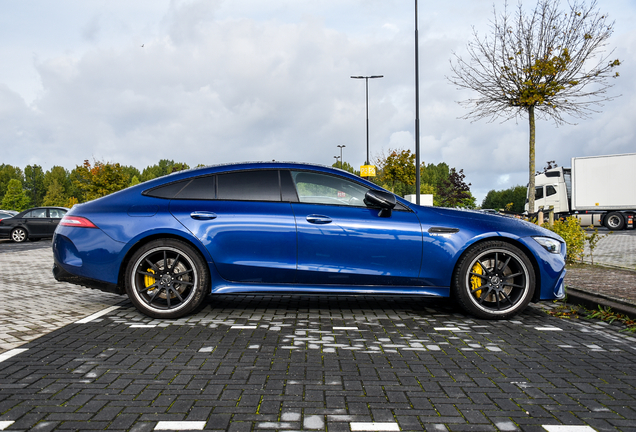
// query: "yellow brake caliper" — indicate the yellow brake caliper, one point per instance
point(475, 281)
point(149, 280)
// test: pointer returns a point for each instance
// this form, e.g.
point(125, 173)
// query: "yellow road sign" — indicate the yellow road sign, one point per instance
point(367, 170)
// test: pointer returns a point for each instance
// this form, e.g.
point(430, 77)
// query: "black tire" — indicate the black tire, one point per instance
point(500, 269)
point(614, 221)
point(19, 235)
point(166, 278)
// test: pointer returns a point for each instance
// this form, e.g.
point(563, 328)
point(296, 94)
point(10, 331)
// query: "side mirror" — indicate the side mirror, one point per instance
point(380, 199)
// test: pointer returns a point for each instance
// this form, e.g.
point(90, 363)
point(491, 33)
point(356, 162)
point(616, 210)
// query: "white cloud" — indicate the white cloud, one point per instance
point(220, 81)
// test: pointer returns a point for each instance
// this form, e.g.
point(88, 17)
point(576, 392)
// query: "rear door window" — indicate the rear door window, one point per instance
point(263, 185)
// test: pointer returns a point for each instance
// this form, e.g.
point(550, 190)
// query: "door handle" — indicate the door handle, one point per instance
point(318, 219)
point(202, 215)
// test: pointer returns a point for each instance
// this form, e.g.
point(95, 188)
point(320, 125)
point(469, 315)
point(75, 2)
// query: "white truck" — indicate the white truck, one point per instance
point(598, 190)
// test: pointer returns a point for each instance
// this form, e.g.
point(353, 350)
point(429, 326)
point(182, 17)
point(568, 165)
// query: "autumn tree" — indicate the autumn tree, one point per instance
point(396, 172)
point(455, 192)
point(399, 167)
point(99, 179)
point(547, 64)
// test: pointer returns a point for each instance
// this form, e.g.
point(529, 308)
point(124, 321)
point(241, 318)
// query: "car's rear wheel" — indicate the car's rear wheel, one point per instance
point(494, 280)
point(19, 235)
point(166, 278)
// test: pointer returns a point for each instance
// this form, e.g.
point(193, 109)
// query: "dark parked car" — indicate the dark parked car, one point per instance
point(7, 213)
point(32, 224)
point(298, 228)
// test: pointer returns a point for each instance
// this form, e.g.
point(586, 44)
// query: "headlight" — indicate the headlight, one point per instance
point(549, 244)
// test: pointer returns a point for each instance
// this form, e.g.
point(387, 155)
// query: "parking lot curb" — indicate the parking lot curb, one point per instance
point(593, 301)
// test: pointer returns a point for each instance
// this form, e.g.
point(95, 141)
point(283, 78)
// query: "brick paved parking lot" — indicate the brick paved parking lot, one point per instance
point(263, 363)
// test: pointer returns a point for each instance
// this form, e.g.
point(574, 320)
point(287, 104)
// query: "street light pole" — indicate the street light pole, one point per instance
point(366, 78)
point(417, 113)
point(336, 158)
point(341, 147)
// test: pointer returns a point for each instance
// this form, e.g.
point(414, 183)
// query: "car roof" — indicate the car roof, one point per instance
point(238, 166)
point(42, 207)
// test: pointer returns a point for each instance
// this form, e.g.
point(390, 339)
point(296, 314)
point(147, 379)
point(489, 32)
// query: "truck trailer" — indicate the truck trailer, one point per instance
point(597, 190)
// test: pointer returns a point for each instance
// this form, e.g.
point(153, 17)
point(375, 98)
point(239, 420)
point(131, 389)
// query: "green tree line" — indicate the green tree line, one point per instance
point(396, 172)
point(512, 199)
point(32, 187)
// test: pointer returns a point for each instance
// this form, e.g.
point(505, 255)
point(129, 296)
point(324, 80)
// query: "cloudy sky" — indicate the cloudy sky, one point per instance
point(211, 81)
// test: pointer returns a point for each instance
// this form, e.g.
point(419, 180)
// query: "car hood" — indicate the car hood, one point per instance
point(489, 222)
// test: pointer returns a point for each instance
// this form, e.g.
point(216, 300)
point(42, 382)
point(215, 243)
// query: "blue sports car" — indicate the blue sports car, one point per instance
point(298, 228)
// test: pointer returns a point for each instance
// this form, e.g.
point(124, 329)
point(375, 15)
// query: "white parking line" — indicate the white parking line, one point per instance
point(7, 355)
point(560, 428)
point(374, 426)
point(96, 315)
point(180, 425)
point(5, 424)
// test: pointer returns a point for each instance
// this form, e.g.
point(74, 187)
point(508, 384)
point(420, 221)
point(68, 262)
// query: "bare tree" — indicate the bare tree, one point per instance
point(548, 63)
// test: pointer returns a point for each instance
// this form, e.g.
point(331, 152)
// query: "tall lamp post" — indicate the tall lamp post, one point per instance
point(417, 113)
point(341, 147)
point(336, 158)
point(366, 78)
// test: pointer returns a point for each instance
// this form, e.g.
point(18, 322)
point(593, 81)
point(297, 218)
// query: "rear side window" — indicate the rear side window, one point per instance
point(263, 185)
point(56, 213)
point(168, 191)
point(200, 188)
point(249, 186)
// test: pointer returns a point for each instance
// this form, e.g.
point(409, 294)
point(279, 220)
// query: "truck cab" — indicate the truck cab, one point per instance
point(552, 188)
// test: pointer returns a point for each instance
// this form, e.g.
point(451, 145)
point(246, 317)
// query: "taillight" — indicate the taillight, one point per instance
point(77, 221)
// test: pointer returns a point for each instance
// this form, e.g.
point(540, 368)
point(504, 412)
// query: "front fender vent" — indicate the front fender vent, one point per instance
point(442, 230)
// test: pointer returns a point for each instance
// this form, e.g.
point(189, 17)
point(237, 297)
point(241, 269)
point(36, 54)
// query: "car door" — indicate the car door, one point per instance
point(37, 222)
point(54, 217)
point(342, 241)
point(241, 220)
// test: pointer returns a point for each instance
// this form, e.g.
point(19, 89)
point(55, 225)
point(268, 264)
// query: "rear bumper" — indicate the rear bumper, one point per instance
point(62, 275)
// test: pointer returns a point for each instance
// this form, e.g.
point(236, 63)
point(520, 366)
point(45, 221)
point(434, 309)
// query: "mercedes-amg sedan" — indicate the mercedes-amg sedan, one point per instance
point(299, 228)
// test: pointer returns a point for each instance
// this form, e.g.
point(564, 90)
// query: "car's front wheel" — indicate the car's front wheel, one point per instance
point(494, 280)
point(166, 278)
point(19, 235)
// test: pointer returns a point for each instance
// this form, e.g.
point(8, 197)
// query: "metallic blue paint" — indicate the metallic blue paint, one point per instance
point(254, 246)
